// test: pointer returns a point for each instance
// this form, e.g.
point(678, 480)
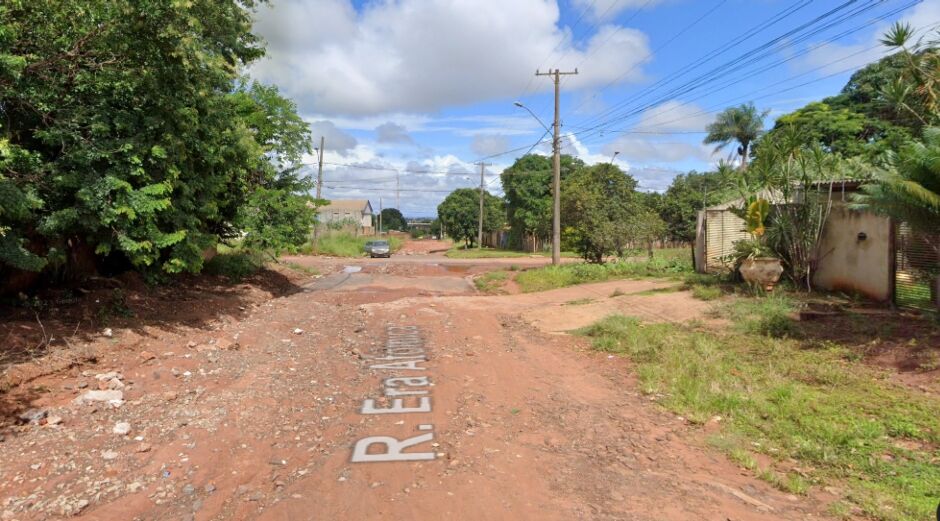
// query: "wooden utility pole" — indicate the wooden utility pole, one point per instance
point(320, 167)
point(398, 190)
point(379, 231)
point(556, 174)
point(480, 218)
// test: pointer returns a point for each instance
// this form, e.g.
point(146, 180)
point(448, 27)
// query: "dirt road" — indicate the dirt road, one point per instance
point(388, 390)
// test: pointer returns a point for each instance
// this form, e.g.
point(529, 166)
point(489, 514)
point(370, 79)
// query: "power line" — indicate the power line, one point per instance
point(733, 65)
point(717, 51)
point(653, 52)
point(739, 98)
point(760, 52)
point(557, 46)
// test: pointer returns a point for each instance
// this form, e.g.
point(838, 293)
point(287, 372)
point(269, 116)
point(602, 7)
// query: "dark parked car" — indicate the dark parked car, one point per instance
point(378, 249)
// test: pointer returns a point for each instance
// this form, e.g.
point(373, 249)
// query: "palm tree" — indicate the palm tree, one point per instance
point(911, 191)
point(743, 124)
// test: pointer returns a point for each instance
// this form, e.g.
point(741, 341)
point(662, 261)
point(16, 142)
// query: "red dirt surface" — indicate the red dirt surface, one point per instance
point(246, 405)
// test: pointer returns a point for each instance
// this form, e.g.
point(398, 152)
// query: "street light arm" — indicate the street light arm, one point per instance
point(520, 105)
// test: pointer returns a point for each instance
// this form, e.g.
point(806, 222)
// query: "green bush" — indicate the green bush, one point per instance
point(235, 266)
point(128, 128)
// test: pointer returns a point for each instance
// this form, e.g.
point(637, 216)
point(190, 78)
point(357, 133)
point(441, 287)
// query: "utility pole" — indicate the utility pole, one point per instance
point(398, 190)
point(556, 177)
point(379, 231)
point(320, 166)
point(480, 219)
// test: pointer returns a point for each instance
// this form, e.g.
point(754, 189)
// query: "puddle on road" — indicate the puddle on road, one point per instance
point(352, 269)
point(456, 268)
point(452, 268)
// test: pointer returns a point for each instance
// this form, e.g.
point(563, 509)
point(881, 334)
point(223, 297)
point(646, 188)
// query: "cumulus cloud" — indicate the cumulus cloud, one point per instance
point(672, 116)
point(335, 139)
point(653, 178)
point(365, 174)
point(639, 149)
point(488, 145)
point(391, 133)
point(609, 9)
point(422, 55)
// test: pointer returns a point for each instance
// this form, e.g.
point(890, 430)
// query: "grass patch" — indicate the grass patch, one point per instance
point(484, 253)
point(768, 316)
point(657, 291)
point(462, 252)
point(307, 270)
point(706, 292)
point(579, 302)
point(840, 421)
point(491, 281)
point(234, 265)
point(349, 245)
point(552, 277)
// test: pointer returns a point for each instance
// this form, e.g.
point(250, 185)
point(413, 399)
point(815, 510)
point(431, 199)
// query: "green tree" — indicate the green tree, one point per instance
point(126, 128)
point(599, 211)
point(742, 124)
point(915, 91)
point(882, 107)
point(392, 219)
point(460, 211)
point(688, 194)
point(277, 214)
point(910, 191)
point(527, 186)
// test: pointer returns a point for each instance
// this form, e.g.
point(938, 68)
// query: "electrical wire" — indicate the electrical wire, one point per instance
point(713, 75)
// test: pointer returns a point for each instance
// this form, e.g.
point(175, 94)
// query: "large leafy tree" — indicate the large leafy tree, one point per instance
point(688, 194)
point(527, 186)
point(915, 91)
point(125, 128)
point(742, 125)
point(882, 107)
point(460, 211)
point(601, 211)
point(392, 219)
point(910, 191)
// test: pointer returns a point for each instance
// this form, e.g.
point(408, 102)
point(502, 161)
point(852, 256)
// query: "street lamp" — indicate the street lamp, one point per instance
point(556, 180)
point(521, 106)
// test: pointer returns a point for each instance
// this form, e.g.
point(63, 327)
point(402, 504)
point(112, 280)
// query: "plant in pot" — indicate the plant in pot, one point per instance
point(756, 262)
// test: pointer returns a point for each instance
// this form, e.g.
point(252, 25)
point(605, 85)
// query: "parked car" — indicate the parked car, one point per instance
point(378, 249)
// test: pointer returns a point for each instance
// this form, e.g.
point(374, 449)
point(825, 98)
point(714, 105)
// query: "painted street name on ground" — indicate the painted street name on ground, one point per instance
point(403, 354)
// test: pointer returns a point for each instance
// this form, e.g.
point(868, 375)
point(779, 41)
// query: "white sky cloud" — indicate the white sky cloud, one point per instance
point(423, 55)
point(488, 145)
point(834, 57)
point(609, 9)
point(335, 139)
point(392, 133)
point(674, 115)
point(642, 149)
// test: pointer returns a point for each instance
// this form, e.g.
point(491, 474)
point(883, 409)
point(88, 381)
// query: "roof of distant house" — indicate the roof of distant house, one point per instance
point(347, 205)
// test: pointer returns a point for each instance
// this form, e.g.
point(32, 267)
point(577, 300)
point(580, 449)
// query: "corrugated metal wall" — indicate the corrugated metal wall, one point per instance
point(722, 229)
point(917, 266)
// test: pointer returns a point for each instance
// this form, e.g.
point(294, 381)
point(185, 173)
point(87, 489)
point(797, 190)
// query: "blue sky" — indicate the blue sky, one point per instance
point(411, 93)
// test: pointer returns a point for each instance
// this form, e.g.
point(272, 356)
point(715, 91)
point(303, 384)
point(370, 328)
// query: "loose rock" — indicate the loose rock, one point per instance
point(32, 416)
point(113, 397)
point(122, 428)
